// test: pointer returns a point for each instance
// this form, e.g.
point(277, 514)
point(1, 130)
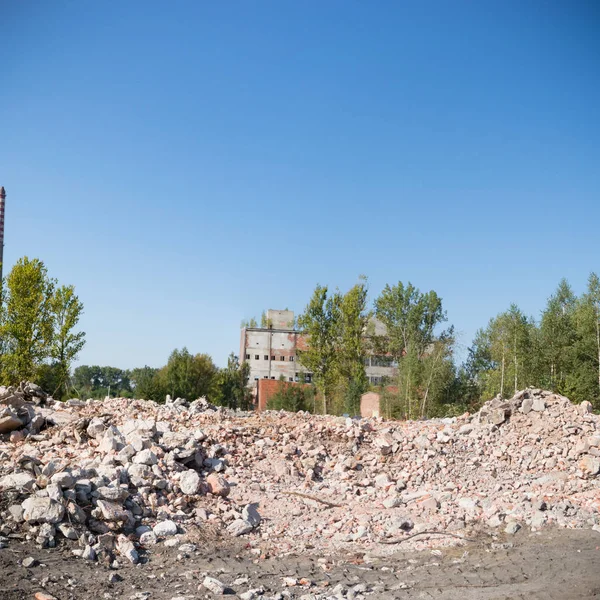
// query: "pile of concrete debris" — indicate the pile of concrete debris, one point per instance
point(120, 476)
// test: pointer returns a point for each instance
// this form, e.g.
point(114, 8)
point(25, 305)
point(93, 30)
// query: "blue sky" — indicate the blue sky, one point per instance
point(187, 164)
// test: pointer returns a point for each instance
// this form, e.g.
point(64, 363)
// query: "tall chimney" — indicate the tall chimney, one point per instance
point(2, 203)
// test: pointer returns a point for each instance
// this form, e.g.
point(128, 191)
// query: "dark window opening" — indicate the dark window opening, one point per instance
point(256, 357)
point(282, 358)
point(247, 357)
point(266, 357)
point(272, 358)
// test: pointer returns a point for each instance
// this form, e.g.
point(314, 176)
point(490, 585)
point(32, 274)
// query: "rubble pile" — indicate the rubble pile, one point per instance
point(119, 476)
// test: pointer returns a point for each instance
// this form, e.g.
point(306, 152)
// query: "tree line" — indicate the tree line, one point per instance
point(559, 351)
point(402, 326)
point(185, 375)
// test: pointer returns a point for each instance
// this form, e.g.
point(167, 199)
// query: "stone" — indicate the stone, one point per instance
point(111, 511)
point(19, 481)
point(145, 457)
point(88, 553)
point(383, 481)
point(250, 514)
point(590, 465)
point(42, 510)
point(10, 423)
point(239, 527)
point(63, 479)
point(165, 528)
point(96, 428)
point(526, 406)
point(67, 531)
point(538, 405)
point(217, 485)
point(512, 528)
point(126, 548)
point(189, 482)
point(44, 596)
point(29, 562)
point(148, 538)
point(214, 585)
point(392, 502)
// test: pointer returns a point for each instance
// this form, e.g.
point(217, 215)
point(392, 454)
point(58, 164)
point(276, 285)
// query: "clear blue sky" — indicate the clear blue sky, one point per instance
point(187, 164)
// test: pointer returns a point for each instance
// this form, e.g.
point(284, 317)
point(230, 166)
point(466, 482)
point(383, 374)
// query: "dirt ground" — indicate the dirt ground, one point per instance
point(553, 564)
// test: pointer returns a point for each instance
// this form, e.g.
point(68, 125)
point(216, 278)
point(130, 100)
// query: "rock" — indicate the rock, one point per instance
point(189, 482)
point(42, 510)
point(10, 423)
point(29, 562)
point(526, 406)
point(126, 549)
point(538, 405)
point(165, 528)
point(512, 528)
point(96, 428)
point(19, 481)
point(250, 514)
point(111, 511)
point(16, 437)
point(145, 457)
point(63, 479)
point(239, 527)
point(88, 553)
point(383, 481)
point(67, 531)
point(585, 408)
point(44, 596)
point(214, 585)
point(392, 502)
point(590, 466)
point(217, 485)
point(148, 538)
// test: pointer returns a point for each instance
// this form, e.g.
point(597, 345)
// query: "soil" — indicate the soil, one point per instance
point(551, 564)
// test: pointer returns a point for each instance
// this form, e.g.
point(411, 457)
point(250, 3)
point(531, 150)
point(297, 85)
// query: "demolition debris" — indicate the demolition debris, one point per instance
point(113, 479)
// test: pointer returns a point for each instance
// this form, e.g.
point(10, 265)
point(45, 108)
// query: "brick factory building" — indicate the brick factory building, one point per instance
point(272, 353)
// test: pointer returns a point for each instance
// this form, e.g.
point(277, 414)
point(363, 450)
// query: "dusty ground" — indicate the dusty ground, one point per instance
point(552, 564)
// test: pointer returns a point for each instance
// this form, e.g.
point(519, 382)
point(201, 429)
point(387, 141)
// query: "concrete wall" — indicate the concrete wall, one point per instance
point(280, 319)
point(271, 354)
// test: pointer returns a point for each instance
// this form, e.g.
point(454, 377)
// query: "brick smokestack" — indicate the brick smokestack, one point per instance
point(2, 203)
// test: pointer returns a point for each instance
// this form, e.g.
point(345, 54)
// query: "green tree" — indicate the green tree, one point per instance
point(146, 384)
point(291, 397)
point(320, 323)
point(188, 376)
point(557, 336)
point(67, 343)
point(351, 329)
point(410, 318)
point(27, 328)
point(231, 385)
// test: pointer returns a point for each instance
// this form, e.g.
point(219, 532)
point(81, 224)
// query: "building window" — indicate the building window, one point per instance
point(266, 357)
point(266, 377)
point(282, 358)
point(291, 359)
point(272, 358)
point(290, 378)
point(256, 357)
point(256, 379)
point(247, 357)
point(272, 377)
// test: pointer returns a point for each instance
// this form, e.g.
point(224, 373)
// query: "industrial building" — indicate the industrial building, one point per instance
point(272, 353)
